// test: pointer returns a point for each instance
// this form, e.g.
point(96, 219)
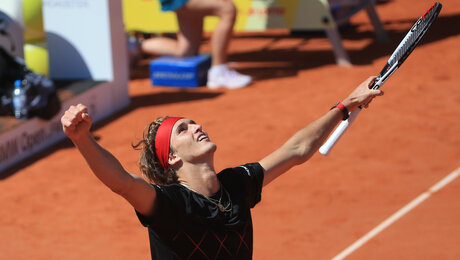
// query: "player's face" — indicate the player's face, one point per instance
point(190, 142)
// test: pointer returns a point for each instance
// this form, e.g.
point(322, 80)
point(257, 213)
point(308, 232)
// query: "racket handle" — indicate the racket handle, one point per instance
point(335, 136)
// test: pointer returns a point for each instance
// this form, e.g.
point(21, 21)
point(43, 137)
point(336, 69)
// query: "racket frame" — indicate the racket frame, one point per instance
point(392, 65)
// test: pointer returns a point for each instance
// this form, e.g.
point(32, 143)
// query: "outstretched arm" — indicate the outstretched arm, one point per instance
point(303, 144)
point(76, 124)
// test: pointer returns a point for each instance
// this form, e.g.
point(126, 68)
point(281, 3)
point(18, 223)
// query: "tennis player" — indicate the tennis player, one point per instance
point(190, 211)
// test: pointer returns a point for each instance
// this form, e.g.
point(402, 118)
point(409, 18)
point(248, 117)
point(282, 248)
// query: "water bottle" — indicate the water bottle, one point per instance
point(19, 100)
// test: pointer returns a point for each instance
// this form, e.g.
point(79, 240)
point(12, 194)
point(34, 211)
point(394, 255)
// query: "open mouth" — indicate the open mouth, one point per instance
point(202, 137)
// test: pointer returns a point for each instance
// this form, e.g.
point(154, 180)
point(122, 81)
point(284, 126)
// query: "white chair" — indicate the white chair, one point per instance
point(317, 15)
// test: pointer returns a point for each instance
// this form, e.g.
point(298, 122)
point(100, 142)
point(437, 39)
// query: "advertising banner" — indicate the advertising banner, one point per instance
point(253, 15)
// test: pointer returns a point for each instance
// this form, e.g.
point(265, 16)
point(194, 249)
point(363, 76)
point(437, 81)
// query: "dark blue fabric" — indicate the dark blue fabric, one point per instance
point(172, 5)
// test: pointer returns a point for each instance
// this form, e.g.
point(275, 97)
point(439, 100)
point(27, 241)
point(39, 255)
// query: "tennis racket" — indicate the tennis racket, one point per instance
point(401, 53)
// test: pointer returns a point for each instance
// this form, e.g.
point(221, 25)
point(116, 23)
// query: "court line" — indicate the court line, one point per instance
point(422, 197)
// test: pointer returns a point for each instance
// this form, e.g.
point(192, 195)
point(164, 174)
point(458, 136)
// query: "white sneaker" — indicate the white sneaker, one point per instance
point(227, 78)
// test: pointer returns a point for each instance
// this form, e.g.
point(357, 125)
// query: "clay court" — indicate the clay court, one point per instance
point(397, 150)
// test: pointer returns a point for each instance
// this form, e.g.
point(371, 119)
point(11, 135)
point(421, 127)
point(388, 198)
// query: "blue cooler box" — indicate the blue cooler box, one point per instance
point(180, 72)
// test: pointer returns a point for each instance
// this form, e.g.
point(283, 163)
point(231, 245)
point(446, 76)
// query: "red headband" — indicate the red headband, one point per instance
point(163, 139)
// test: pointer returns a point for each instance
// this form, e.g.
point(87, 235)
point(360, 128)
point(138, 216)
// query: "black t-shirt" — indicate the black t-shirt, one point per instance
point(187, 225)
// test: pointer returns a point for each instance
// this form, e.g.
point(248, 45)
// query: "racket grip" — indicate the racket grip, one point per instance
point(335, 136)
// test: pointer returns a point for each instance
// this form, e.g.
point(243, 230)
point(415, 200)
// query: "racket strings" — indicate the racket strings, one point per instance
point(408, 44)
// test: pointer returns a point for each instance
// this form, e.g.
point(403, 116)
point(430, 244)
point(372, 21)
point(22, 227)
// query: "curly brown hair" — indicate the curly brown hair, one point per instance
point(149, 163)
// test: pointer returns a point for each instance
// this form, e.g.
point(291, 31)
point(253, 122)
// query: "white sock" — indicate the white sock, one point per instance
point(218, 69)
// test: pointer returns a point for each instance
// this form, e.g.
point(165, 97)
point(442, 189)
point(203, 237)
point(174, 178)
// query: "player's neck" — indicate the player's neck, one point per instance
point(200, 178)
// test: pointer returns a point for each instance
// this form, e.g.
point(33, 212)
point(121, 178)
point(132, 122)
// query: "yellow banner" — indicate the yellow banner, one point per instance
point(253, 15)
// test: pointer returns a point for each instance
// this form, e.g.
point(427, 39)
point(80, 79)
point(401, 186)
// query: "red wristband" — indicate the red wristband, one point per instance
point(342, 108)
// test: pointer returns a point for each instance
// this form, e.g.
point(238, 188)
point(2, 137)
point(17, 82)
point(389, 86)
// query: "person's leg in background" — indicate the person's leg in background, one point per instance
point(190, 19)
point(220, 75)
point(188, 40)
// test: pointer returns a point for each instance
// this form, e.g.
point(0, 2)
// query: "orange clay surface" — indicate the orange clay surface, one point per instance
point(52, 207)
